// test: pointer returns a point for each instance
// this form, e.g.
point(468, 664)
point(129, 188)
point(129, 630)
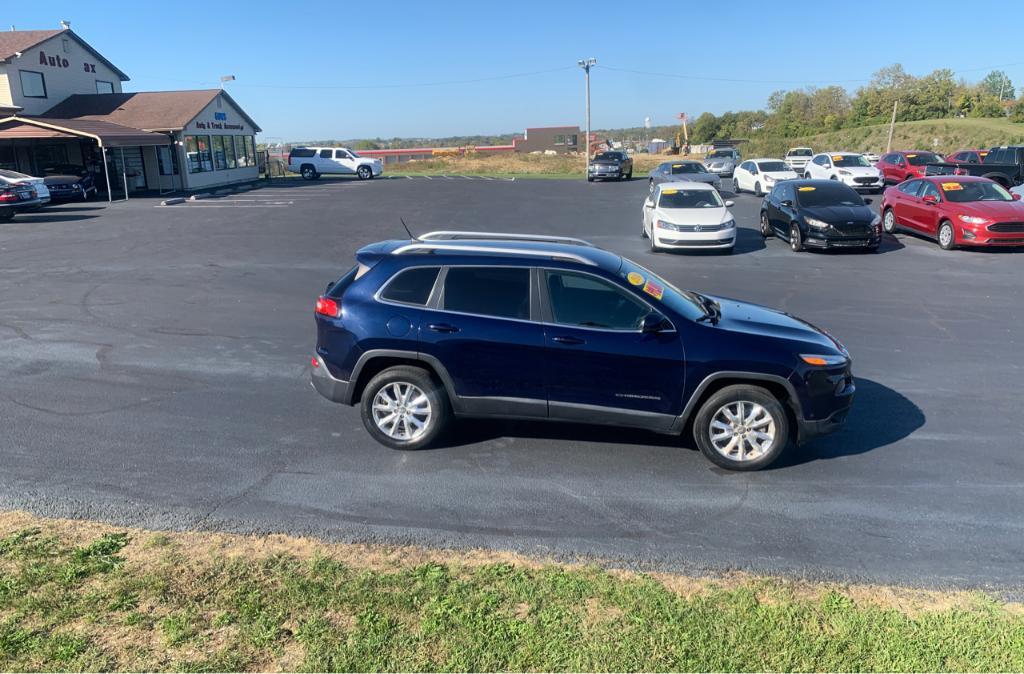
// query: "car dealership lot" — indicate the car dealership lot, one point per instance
point(155, 373)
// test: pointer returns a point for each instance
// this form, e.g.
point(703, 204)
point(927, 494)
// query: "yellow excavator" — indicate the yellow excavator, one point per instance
point(682, 141)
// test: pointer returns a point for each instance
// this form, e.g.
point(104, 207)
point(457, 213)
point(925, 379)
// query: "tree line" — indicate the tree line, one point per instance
point(802, 112)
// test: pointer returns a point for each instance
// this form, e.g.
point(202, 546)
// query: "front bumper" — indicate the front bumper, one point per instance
point(723, 171)
point(605, 172)
point(816, 240)
point(725, 238)
point(829, 397)
point(334, 389)
point(851, 181)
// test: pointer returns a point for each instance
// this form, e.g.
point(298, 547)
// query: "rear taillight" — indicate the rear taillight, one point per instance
point(325, 306)
point(8, 196)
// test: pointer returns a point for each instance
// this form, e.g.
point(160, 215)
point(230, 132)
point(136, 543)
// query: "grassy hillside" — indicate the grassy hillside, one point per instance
point(939, 135)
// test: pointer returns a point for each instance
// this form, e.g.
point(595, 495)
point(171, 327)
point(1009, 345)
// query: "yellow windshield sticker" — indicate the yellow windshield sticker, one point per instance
point(983, 154)
point(805, 189)
point(952, 187)
point(837, 157)
point(677, 166)
point(911, 156)
point(654, 290)
point(635, 278)
point(669, 191)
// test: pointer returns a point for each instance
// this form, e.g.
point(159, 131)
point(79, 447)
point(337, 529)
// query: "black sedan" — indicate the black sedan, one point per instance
point(68, 182)
point(820, 214)
point(606, 165)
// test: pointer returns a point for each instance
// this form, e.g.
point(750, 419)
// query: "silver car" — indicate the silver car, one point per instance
point(722, 161)
point(683, 169)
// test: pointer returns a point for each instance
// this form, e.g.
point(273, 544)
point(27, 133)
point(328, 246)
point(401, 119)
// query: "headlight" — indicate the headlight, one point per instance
point(661, 224)
point(816, 224)
point(876, 221)
point(769, 180)
point(822, 360)
point(729, 224)
point(844, 172)
point(971, 220)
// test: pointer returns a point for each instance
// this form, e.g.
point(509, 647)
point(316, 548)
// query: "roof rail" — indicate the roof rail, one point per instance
point(469, 248)
point(445, 235)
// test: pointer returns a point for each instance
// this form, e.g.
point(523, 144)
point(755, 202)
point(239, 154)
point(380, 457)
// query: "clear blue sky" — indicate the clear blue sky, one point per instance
point(294, 60)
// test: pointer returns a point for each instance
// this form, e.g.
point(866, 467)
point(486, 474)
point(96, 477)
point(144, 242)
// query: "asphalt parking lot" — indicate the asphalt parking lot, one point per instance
point(155, 373)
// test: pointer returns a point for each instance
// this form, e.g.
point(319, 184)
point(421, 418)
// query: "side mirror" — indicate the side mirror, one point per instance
point(788, 203)
point(930, 199)
point(730, 204)
point(653, 322)
point(867, 201)
point(1016, 196)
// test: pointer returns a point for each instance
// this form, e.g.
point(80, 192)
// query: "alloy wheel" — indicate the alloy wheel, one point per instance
point(889, 222)
point(402, 411)
point(364, 172)
point(946, 236)
point(742, 431)
point(765, 226)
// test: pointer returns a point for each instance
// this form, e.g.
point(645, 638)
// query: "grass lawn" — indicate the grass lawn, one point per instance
point(86, 596)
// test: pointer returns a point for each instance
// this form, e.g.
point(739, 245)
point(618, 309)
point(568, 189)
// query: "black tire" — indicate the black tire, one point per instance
point(736, 186)
point(308, 172)
point(796, 239)
point(946, 242)
point(629, 176)
point(643, 229)
point(589, 179)
point(364, 172)
point(439, 406)
point(889, 224)
point(6, 215)
point(654, 246)
point(807, 175)
point(757, 190)
point(749, 396)
point(766, 227)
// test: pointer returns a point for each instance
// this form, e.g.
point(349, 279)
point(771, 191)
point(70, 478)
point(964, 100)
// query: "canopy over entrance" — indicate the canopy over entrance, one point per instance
point(107, 134)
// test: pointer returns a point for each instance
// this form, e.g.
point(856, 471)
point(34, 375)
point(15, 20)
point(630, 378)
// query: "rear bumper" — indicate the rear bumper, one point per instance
point(334, 389)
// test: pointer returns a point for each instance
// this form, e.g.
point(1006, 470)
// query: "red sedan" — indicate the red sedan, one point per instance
point(967, 156)
point(956, 211)
point(899, 166)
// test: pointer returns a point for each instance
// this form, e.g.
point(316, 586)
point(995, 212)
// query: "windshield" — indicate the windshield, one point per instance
point(720, 154)
point(651, 286)
point(688, 168)
point(975, 191)
point(680, 198)
point(800, 152)
point(850, 160)
point(772, 166)
point(608, 156)
point(827, 195)
point(353, 153)
point(923, 158)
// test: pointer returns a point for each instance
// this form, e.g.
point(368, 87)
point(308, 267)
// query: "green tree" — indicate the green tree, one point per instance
point(365, 145)
point(705, 129)
point(997, 84)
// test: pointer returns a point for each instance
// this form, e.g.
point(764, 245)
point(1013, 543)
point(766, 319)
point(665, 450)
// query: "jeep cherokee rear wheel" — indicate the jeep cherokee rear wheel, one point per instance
point(404, 408)
point(742, 427)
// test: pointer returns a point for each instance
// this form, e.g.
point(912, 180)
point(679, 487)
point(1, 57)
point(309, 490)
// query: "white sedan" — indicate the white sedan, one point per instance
point(760, 175)
point(688, 215)
point(849, 168)
point(38, 184)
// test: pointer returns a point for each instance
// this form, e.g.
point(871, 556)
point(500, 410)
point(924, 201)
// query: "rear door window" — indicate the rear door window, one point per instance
point(586, 301)
point(502, 292)
point(411, 286)
point(325, 154)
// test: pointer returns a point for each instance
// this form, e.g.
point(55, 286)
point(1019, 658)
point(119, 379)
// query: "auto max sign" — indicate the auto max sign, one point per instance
point(61, 62)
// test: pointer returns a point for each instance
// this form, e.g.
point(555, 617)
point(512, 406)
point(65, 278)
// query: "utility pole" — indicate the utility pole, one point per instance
point(892, 125)
point(587, 64)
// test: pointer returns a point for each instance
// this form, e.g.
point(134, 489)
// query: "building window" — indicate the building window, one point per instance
point(166, 161)
point(104, 87)
point(243, 159)
point(250, 150)
point(33, 84)
point(229, 152)
point(197, 149)
point(571, 140)
point(560, 139)
point(219, 162)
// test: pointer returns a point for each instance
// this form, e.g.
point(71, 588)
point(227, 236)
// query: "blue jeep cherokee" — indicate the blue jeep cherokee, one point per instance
point(539, 327)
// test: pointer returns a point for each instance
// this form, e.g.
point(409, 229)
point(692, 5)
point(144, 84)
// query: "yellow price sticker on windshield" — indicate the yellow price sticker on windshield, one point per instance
point(983, 154)
point(669, 191)
point(635, 278)
point(837, 157)
point(911, 156)
point(806, 189)
point(654, 290)
point(677, 166)
point(952, 187)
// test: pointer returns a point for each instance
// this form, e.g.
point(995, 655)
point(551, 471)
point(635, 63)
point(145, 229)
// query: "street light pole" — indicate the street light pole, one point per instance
point(586, 64)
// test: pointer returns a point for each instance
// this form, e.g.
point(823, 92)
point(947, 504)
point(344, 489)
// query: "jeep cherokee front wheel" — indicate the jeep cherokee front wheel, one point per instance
point(742, 427)
point(404, 408)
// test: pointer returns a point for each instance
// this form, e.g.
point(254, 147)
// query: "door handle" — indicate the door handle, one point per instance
point(567, 340)
point(442, 327)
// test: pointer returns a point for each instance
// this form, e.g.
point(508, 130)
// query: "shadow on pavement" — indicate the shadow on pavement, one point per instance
point(880, 417)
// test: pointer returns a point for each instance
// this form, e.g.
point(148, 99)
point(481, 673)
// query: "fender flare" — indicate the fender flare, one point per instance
point(752, 377)
point(372, 354)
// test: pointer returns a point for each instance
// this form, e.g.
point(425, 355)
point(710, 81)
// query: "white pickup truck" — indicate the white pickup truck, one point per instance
point(312, 162)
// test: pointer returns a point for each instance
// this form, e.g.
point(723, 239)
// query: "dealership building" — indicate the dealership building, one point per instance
point(62, 106)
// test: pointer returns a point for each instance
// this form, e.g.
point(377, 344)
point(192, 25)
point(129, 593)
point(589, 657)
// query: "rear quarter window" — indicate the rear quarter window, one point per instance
point(411, 286)
point(303, 152)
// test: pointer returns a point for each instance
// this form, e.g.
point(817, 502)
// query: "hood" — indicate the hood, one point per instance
point(61, 179)
point(754, 319)
point(781, 175)
point(606, 162)
point(839, 214)
point(699, 177)
point(993, 210)
point(693, 216)
point(859, 170)
point(719, 161)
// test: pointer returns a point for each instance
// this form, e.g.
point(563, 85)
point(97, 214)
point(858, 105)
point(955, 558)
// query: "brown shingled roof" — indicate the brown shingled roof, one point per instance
point(13, 41)
point(109, 135)
point(150, 110)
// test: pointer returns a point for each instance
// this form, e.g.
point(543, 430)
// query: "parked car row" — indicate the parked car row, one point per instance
point(61, 183)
